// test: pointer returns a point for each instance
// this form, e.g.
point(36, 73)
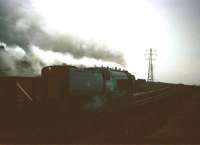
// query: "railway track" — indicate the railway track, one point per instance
point(140, 99)
point(143, 98)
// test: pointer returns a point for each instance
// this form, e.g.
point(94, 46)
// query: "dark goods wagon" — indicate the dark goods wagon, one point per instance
point(17, 93)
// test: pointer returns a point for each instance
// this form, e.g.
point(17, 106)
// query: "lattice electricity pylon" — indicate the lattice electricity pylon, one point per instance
point(150, 69)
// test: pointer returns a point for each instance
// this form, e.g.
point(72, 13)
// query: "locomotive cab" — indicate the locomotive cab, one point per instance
point(121, 83)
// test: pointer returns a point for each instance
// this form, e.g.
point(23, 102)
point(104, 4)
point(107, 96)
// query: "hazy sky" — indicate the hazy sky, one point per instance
point(172, 27)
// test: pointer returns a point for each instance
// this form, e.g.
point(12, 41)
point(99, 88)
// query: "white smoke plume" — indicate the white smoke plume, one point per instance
point(16, 62)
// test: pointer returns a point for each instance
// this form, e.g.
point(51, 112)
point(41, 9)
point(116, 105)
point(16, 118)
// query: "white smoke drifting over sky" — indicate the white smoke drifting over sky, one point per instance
point(15, 61)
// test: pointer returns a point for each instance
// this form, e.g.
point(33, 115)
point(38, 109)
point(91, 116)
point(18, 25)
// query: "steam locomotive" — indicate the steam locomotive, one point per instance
point(66, 88)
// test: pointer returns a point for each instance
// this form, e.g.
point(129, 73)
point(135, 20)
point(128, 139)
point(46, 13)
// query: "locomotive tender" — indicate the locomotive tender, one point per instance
point(67, 88)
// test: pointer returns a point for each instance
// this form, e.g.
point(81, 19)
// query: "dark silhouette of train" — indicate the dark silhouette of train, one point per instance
point(66, 88)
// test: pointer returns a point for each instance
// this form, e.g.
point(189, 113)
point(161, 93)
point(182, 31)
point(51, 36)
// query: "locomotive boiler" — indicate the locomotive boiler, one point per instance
point(67, 88)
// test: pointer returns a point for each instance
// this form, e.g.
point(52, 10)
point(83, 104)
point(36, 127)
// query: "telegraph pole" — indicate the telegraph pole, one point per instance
point(150, 69)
